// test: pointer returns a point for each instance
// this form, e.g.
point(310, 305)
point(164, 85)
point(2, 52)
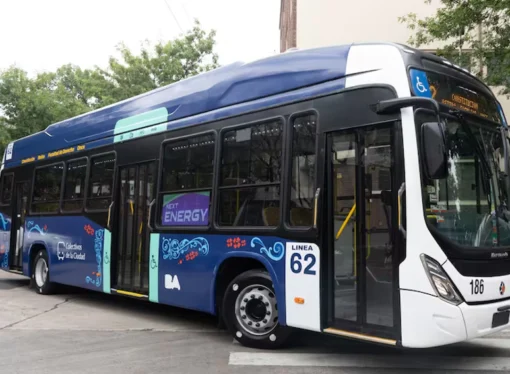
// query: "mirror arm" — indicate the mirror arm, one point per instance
point(393, 105)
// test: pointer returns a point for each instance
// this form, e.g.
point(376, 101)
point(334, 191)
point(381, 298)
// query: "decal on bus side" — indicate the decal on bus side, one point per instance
point(302, 285)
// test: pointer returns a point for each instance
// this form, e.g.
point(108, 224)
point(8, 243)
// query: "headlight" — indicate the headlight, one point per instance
point(440, 281)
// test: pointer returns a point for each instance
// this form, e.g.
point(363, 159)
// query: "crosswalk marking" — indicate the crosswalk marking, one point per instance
point(370, 361)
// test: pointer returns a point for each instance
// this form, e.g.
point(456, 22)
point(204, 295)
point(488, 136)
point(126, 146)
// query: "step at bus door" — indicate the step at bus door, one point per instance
point(363, 274)
point(131, 233)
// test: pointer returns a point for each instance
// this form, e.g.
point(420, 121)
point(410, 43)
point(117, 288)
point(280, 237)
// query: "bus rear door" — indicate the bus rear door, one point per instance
point(20, 201)
point(130, 256)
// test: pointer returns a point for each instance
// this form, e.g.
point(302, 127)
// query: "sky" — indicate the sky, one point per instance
point(41, 35)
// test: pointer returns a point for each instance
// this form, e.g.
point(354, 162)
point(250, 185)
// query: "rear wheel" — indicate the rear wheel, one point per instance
point(41, 274)
point(250, 311)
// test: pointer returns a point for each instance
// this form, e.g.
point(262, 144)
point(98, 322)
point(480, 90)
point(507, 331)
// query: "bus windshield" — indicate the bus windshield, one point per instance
point(469, 207)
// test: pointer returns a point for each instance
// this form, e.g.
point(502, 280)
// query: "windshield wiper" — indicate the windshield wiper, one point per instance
point(478, 149)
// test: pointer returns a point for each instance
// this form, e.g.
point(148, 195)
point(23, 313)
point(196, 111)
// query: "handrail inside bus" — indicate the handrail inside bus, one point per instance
point(346, 221)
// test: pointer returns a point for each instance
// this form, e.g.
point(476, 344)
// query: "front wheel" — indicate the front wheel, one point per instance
point(250, 311)
point(41, 274)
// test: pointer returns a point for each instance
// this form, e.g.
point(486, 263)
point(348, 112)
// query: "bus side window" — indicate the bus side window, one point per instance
point(7, 182)
point(100, 186)
point(47, 185)
point(250, 175)
point(74, 185)
point(302, 185)
point(186, 181)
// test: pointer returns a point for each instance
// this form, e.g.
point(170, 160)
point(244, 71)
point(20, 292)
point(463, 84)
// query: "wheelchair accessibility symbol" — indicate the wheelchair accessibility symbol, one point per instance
point(420, 87)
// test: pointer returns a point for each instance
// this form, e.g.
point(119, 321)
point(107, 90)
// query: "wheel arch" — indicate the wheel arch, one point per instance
point(233, 264)
point(32, 252)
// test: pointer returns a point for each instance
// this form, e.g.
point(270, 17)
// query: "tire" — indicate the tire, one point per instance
point(41, 283)
point(250, 311)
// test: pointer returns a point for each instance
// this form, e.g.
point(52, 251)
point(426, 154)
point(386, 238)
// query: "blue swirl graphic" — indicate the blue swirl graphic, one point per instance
point(5, 261)
point(275, 253)
point(98, 247)
point(31, 228)
point(4, 222)
point(173, 248)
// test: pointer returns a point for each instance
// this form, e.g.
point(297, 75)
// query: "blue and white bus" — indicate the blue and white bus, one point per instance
point(357, 190)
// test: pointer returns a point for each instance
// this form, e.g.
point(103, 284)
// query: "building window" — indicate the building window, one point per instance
point(47, 186)
point(100, 187)
point(7, 181)
point(74, 185)
point(302, 186)
point(251, 167)
point(187, 180)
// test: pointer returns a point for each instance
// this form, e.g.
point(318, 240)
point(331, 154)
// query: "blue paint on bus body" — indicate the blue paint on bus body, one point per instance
point(75, 249)
point(196, 260)
point(76, 255)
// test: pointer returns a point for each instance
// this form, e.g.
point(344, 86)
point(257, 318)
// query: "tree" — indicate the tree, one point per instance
point(482, 26)
point(28, 105)
point(160, 65)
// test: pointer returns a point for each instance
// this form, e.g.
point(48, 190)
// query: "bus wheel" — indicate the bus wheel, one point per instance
point(250, 311)
point(41, 274)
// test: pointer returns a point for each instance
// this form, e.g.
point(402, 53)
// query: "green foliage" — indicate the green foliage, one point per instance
point(28, 105)
point(483, 26)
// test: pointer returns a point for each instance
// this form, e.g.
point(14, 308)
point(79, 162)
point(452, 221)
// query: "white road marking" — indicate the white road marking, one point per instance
point(370, 361)
point(386, 361)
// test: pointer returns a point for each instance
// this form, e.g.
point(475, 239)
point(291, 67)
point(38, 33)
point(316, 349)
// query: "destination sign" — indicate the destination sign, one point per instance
point(454, 94)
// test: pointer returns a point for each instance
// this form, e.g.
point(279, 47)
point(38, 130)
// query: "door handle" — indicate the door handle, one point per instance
point(316, 207)
point(109, 216)
point(400, 193)
point(149, 225)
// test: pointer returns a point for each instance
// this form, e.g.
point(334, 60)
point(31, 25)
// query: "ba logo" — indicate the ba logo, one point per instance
point(172, 283)
point(502, 289)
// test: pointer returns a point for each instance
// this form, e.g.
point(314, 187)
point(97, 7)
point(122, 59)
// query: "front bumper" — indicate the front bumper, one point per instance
point(428, 321)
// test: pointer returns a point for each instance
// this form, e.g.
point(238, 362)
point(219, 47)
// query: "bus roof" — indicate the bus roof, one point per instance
point(223, 87)
point(208, 96)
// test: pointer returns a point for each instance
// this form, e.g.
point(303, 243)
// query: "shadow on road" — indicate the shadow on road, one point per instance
point(9, 284)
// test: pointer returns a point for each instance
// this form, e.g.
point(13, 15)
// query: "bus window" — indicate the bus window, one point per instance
point(74, 185)
point(100, 186)
point(47, 185)
point(303, 171)
point(250, 176)
point(187, 181)
point(7, 188)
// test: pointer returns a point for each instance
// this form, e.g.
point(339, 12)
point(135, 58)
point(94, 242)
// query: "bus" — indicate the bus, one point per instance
point(355, 190)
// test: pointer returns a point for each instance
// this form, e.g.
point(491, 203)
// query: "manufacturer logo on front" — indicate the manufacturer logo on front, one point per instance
point(502, 288)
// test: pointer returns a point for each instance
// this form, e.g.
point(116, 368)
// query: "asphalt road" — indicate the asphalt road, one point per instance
point(84, 332)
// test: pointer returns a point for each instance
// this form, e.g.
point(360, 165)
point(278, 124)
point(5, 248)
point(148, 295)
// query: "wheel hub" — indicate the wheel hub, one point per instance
point(256, 310)
point(41, 272)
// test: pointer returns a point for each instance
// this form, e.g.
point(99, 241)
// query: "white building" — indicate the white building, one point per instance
point(317, 23)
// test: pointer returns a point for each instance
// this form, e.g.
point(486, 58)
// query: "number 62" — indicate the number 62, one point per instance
point(296, 263)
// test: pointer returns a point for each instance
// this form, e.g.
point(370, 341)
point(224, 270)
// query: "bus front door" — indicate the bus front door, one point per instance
point(362, 194)
point(131, 256)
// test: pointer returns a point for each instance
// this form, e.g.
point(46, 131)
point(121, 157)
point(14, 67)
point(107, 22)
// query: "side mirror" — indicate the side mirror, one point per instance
point(433, 145)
